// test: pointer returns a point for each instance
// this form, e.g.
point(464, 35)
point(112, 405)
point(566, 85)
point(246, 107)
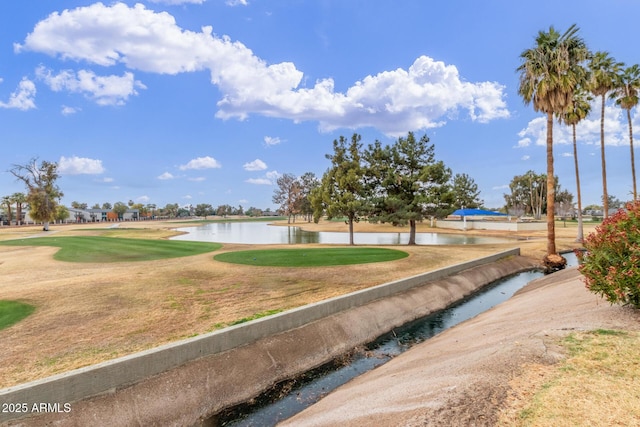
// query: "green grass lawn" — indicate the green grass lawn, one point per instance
point(110, 249)
point(12, 312)
point(315, 257)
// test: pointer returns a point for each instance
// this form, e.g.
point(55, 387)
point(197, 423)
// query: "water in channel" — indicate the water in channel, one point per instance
point(294, 396)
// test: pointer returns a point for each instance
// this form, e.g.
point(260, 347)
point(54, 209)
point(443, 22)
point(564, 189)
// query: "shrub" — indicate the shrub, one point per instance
point(611, 263)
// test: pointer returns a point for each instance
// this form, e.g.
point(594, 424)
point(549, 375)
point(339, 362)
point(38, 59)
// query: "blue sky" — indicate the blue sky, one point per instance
point(208, 101)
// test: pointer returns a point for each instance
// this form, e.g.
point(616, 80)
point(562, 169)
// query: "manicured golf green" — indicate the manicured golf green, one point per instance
point(111, 249)
point(315, 257)
point(12, 312)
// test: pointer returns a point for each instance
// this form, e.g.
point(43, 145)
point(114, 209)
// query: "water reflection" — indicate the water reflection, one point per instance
point(264, 233)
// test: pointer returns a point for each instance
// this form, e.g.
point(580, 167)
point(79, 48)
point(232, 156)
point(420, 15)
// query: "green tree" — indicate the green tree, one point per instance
point(406, 183)
point(308, 183)
point(603, 71)
point(142, 209)
point(171, 210)
point(564, 201)
point(614, 202)
point(62, 213)
point(151, 208)
point(626, 97)
point(43, 193)
point(550, 73)
point(288, 195)
point(342, 192)
point(528, 194)
point(466, 192)
point(224, 210)
point(78, 205)
point(119, 208)
point(254, 212)
point(579, 110)
point(107, 206)
point(204, 209)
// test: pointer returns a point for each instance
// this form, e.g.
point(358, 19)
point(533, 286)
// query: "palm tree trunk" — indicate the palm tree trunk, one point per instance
point(580, 236)
point(605, 194)
point(633, 163)
point(551, 190)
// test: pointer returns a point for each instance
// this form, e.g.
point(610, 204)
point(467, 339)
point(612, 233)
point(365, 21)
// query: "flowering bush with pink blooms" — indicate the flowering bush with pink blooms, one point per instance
point(611, 263)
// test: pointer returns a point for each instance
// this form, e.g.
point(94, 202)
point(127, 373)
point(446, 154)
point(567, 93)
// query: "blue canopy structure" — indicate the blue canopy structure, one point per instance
point(476, 212)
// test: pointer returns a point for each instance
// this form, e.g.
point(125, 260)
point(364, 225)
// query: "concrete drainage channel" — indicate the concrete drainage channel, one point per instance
point(290, 397)
point(186, 382)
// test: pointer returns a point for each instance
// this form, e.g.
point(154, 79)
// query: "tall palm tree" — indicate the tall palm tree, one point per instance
point(549, 74)
point(578, 111)
point(625, 95)
point(603, 70)
point(19, 199)
point(7, 202)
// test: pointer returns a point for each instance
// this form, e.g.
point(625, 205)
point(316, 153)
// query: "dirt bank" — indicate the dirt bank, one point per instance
point(461, 377)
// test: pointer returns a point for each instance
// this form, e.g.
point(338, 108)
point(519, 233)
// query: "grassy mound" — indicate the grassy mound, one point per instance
point(12, 312)
point(315, 257)
point(107, 249)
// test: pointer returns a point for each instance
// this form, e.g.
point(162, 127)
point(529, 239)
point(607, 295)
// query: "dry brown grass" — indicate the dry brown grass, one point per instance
point(597, 385)
point(88, 313)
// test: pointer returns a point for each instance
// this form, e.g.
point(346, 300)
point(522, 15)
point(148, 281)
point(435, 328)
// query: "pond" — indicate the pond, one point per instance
point(265, 233)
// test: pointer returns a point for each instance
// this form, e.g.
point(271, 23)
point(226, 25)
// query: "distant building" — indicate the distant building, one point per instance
point(101, 215)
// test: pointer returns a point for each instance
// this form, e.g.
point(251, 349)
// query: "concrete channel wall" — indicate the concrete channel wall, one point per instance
point(185, 382)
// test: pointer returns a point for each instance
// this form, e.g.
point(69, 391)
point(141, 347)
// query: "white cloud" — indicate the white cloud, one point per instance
point(425, 95)
point(80, 166)
point(143, 199)
point(500, 187)
point(197, 179)
point(23, 97)
point(201, 163)
point(268, 179)
point(259, 181)
point(272, 175)
point(256, 165)
point(105, 90)
point(67, 111)
point(187, 196)
point(587, 131)
point(566, 154)
point(271, 140)
point(106, 179)
point(236, 2)
point(525, 157)
point(166, 176)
